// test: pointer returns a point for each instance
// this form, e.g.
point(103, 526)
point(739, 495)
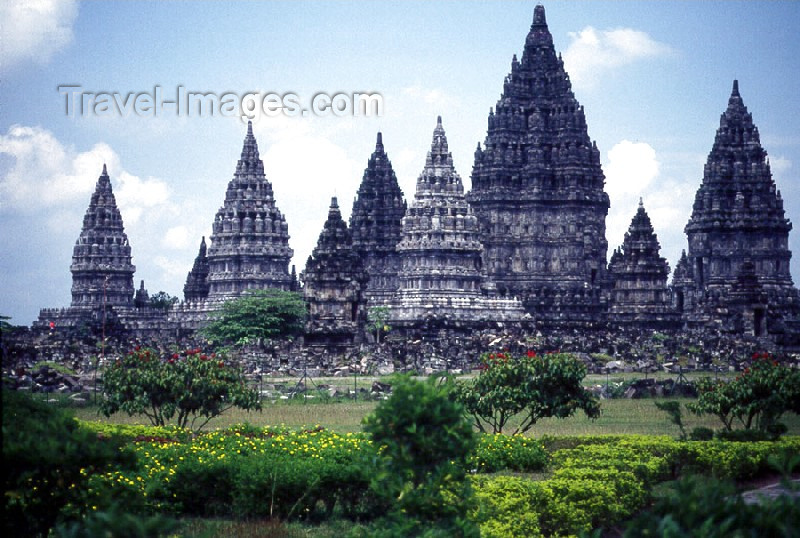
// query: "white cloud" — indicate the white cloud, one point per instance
point(34, 30)
point(177, 237)
point(306, 170)
point(592, 52)
point(631, 167)
point(47, 175)
point(779, 165)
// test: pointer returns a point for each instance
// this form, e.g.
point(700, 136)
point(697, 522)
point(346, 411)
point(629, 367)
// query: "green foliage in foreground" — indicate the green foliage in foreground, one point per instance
point(695, 506)
point(261, 314)
point(187, 386)
point(425, 444)
point(319, 476)
point(532, 386)
point(48, 460)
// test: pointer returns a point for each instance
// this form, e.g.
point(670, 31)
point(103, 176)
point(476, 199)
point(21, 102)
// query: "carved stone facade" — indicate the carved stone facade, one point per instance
point(638, 274)
point(196, 287)
point(532, 227)
point(102, 272)
point(440, 252)
point(738, 236)
point(538, 191)
point(334, 280)
point(250, 240)
point(375, 224)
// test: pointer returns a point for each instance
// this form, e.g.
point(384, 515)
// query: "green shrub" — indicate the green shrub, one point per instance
point(48, 460)
point(507, 507)
point(117, 523)
point(425, 444)
point(698, 507)
point(496, 452)
point(701, 433)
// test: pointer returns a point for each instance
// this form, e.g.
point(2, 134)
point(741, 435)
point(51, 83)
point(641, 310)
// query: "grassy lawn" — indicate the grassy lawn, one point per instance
point(619, 416)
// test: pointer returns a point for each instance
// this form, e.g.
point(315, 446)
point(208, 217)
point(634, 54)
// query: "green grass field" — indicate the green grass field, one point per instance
point(620, 416)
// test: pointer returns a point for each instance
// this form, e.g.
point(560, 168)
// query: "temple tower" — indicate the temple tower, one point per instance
point(538, 192)
point(334, 280)
point(638, 274)
point(738, 234)
point(196, 287)
point(440, 251)
point(375, 225)
point(102, 272)
point(250, 240)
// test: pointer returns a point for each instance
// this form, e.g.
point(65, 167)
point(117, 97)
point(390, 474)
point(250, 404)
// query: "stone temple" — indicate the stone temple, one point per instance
point(639, 294)
point(102, 269)
point(735, 276)
point(334, 283)
point(526, 246)
point(441, 278)
point(375, 224)
point(250, 240)
point(538, 192)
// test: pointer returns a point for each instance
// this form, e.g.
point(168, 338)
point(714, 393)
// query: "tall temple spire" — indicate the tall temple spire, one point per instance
point(196, 287)
point(538, 190)
point(639, 295)
point(102, 272)
point(334, 279)
point(375, 224)
point(738, 216)
point(250, 239)
point(439, 225)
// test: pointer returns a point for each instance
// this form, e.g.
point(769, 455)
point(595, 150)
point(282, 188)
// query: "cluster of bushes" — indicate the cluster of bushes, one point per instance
point(602, 481)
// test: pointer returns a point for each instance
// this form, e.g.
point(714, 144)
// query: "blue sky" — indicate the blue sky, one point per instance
point(653, 77)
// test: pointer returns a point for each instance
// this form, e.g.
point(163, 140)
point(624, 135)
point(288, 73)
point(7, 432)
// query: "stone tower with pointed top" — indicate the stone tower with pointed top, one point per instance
point(102, 272)
point(538, 191)
point(334, 280)
point(738, 235)
point(375, 225)
point(440, 251)
point(196, 287)
point(250, 240)
point(638, 274)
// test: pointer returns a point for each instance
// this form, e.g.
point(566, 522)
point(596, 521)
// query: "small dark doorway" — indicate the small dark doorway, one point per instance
point(758, 321)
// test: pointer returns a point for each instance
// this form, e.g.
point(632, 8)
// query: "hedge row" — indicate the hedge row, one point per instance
point(316, 474)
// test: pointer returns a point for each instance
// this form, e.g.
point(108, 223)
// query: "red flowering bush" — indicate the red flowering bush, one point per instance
point(756, 399)
point(185, 386)
point(531, 386)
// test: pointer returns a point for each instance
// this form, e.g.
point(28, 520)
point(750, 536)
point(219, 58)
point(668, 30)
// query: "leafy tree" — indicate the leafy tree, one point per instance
point(377, 316)
point(267, 313)
point(187, 386)
point(163, 300)
point(425, 443)
point(48, 460)
point(756, 399)
point(532, 386)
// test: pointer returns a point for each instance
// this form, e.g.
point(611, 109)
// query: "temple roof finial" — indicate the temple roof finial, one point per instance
point(641, 204)
point(735, 88)
point(105, 172)
point(379, 143)
point(334, 202)
point(539, 18)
